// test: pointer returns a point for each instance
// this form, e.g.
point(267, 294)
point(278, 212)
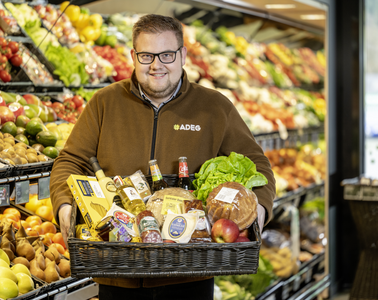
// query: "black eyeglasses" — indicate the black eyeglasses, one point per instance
point(166, 57)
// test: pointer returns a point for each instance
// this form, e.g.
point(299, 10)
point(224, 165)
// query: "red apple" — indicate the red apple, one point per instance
point(168, 241)
point(244, 233)
point(6, 115)
point(16, 108)
point(224, 231)
point(2, 102)
point(32, 99)
point(241, 239)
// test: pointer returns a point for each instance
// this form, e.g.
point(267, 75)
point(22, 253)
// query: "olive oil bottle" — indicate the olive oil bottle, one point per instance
point(131, 200)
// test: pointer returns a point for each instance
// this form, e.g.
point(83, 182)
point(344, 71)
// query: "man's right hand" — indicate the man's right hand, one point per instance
point(65, 221)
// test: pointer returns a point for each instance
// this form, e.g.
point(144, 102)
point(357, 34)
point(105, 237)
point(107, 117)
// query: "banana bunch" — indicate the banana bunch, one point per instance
point(233, 291)
point(284, 265)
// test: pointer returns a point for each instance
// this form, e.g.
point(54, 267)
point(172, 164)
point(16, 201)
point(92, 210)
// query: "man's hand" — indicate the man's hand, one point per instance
point(65, 221)
point(260, 216)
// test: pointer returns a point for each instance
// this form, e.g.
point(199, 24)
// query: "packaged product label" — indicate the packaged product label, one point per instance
point(148, 223)
point(119, 233)
point(140, 185)
point(179, 227)
point(155, 173)
point(131, 193)
point(173, 204)
point(226, 195)
point(125, 218)
point(201, 223)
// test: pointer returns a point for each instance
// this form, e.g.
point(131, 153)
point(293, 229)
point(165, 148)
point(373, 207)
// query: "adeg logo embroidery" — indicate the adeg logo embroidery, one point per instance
point(190, 127)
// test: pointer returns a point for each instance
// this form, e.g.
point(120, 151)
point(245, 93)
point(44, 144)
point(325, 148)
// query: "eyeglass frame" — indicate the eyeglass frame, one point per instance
point(158, 55)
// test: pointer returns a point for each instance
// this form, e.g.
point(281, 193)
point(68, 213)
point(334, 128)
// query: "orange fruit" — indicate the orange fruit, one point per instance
point(31, 218)
point(16, 225)
point(59, 247)
point(58, 238)
point(13, 211)
point(50, 235)
point(32, 232)
point(48, 227)
point(48, 203)
point(11, 217)
point(45, 212)
point(38, 228)
point(25, 224)
point(33, 203)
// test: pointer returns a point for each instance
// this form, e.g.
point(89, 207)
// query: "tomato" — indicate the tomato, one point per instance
point(71, 119)
point(16, 60)
point(3, 42)
point(13, 46)
point(80, 109)
point(3, 59)
point(2, 13)
point(69, 105)
point(4, 76)
point(3, 66)
point(58, 107)
point(78, 100)
point(7, 52)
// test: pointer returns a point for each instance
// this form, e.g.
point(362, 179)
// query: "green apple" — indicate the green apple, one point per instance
point(8, 288)
point(7, 273)
point(4, 256)
point(25, 283)
point(20, 268)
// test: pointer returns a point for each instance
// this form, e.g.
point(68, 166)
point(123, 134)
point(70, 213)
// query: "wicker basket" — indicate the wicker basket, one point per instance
point(142, 260)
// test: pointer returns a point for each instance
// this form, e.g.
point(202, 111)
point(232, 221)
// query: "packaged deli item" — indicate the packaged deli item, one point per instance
point(125, 218)
point(231, 200)
point(172, 196)
point(148, 227)
point(179, 227)
point(203, 229)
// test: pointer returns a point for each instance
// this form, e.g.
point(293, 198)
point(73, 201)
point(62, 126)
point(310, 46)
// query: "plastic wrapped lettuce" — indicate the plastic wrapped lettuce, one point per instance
point(233, 168)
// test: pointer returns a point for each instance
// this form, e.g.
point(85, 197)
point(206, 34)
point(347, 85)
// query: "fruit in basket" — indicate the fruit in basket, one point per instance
point(4, 256)
point(46, 138)
point(33, 127)
point(6, 115)
point(58, 238)
point(8, 288)
point(45, 211)
point(242, 239)
point(16, 108)
point(20, 268)
point(224, 231)
point(24, 249)
point(25, 283)
point(48, 227)
point(65, 268)
point(32, 99)
point(36, 270)
point(12, 211)
point(51, 152)
point(51, 273)
point(53, 254)
point(5, 76)
point(7, 273)
point(21, 260)
point(4, 264)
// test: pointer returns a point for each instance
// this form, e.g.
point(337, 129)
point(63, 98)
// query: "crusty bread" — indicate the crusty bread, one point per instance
point(242, 210)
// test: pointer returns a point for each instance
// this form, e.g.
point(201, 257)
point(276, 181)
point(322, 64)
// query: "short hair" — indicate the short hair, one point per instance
point(152, 23)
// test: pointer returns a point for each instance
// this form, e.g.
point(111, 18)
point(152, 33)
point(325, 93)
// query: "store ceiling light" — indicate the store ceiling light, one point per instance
point(279, 6)
point(313, 17)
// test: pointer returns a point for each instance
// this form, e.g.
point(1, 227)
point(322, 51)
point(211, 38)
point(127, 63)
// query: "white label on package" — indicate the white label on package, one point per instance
point(97, 189)
point(226, 195)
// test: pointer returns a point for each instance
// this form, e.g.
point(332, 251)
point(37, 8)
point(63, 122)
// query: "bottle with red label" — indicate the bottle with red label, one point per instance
point(184, 181)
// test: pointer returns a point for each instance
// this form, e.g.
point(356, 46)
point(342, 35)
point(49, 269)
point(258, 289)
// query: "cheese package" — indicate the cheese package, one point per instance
point(179, 227)
point(89, 197)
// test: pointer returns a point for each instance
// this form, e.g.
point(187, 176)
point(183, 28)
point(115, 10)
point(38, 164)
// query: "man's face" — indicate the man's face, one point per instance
point(158, 80)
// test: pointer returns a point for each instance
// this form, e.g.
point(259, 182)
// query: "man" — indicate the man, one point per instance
point(158, 114)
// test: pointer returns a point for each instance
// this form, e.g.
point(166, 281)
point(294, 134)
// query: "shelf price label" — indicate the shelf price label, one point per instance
point(296, 283)
point(285, 292)
point(61, 296)
point(44, 188)
point(308, 276)
point(4, 195)
point(22, 191)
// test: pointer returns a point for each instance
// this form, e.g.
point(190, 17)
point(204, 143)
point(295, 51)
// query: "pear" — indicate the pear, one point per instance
point(41, 260)
point(51, 272)
point(25, 283)
point(8, 232)
point(7, 246)
point(21, 233)
point(36, 270)
point(7, 273)
point(47, 261)
point(23, 248)
point(20, 268)
point(8, 288)
point(53, 254)
point(4, 256)
point(21, 260)
point(39, 246)
point(65, 268)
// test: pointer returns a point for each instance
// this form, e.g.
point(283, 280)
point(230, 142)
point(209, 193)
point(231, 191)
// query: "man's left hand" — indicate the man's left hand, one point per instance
point(260, 216)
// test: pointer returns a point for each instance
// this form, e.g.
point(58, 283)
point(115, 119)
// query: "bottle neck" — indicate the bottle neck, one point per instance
point(100, 174)
point(183, 169)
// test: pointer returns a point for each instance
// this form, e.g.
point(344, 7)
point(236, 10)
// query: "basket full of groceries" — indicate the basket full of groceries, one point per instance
point(190, 225)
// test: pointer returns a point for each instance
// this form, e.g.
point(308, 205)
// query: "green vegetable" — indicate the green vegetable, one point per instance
point(236, 167)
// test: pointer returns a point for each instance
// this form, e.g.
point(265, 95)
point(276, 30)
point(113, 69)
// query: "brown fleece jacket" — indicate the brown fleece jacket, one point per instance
point(124, 133)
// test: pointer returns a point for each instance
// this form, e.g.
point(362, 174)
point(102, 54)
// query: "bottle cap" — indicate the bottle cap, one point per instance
point(152, 161)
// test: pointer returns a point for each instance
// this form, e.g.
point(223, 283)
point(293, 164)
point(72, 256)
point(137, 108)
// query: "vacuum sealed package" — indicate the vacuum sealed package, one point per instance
point(148, 227)
point(180, 227)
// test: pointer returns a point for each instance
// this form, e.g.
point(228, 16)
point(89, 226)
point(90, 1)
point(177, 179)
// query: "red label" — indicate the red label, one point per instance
point(122, 217)
point(183, 169)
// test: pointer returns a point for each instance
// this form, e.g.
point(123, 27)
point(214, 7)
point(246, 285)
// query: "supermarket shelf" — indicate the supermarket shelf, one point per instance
point(312, 290)
point(84, 293)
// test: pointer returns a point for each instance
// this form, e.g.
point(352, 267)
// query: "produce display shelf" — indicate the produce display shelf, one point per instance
point(312, 290)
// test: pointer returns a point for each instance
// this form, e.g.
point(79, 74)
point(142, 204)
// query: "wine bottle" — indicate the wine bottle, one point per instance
point(106, 183)
point(158, 182)
point(184, 181)
point(130, 198)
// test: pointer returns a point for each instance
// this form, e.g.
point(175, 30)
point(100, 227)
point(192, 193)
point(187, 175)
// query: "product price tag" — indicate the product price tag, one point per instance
point(61, 296)
point(352, 192)
point(296, 283)
point(226, 195)
point(308, 276)
point(4, 195)
point(44, 188)
point(22, 191)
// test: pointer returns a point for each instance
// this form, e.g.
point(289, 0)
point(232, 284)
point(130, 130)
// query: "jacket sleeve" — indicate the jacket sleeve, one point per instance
point(238, 138)
point(73, 159)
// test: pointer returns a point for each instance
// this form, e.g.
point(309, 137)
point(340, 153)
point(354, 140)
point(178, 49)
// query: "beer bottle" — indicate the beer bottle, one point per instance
point(184, 181)
point(158, 182)
point(130, 198)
